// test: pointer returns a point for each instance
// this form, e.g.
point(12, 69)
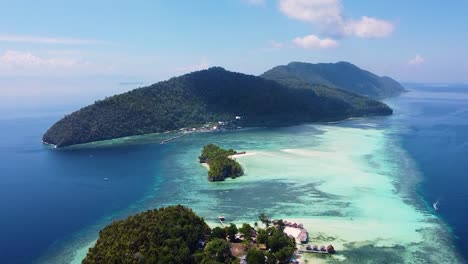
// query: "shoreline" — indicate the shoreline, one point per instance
point(240, 155)
point(106, 142)
point(205, 165)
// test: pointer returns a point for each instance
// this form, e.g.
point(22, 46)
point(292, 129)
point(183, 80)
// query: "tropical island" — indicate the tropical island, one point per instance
point(220, 163)
point(341, 75)
point(210, 96)
point(176, 234)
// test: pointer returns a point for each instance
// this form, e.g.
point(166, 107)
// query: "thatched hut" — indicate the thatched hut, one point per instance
point(303, 236)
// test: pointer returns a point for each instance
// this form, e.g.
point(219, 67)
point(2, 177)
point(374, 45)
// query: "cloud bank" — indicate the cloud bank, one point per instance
point(312, 41)
point(14, 59)
point(327, 16)
point(22, 62)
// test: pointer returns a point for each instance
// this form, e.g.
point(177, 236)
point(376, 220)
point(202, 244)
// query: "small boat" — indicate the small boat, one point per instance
point(221, 218)
point(106, 179)
point(435, 205)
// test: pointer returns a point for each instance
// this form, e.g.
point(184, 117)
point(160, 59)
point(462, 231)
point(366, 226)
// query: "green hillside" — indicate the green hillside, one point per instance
point(341, 75)
point(207, 96)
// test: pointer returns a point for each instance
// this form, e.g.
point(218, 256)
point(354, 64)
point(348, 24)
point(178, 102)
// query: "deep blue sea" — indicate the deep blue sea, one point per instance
point(437, 139)
point(48, 197)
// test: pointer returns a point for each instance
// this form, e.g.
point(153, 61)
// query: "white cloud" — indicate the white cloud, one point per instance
point(368, 27)
point(19, 62)
point(314, 11)
point(12, 59)
point(312, 41)
point(417, 60)
point(202, 65)
point(327, 16)
point(49, 40)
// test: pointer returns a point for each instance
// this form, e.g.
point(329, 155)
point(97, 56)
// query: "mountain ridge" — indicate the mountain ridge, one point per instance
point(211, 95)
point(341, 75)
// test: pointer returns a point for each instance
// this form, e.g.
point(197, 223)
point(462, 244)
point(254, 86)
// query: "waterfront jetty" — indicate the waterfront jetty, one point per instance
point(175, 137)
point(315, 249)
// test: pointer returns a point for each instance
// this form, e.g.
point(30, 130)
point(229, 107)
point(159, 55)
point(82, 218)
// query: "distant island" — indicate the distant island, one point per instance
point(221, 164)
point(176, 234)
point(341, 75)
point(207, 96)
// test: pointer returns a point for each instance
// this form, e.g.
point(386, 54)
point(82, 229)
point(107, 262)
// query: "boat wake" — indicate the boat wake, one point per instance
point(436, 205)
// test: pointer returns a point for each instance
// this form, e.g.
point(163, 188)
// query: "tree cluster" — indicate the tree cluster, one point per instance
point(221, 166)
point(167, 235)
point(176, 234)
point(278, 243)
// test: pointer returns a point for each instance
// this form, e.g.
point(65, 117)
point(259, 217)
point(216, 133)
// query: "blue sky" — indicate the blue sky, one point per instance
point(78, 48)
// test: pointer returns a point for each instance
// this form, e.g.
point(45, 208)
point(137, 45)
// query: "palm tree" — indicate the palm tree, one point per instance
point(264, 219)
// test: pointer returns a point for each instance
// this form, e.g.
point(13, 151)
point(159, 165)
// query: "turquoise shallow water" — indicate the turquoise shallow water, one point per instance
point(352, 184)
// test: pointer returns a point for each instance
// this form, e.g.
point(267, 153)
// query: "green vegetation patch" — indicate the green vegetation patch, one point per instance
point(166, 235)
point(208, 96)
point(342, 75)
point(176, 234)
point(221, 165)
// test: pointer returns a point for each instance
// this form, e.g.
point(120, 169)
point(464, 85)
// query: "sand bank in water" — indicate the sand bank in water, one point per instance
point(351, 194)
point(350, 187)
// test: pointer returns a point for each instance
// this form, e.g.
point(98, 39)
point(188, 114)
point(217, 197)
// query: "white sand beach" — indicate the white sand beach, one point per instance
point(235, 156)
point(205, 165)
point(241, 155)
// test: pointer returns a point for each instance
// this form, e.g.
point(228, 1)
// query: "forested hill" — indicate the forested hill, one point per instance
point(165, 235)
point(206, 96)
point(342, 75)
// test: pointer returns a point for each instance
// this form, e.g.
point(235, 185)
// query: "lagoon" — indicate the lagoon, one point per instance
point(357, 184)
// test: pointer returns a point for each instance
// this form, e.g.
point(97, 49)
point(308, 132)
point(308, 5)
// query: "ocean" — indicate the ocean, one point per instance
point(364, 185)
point(436, 117)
